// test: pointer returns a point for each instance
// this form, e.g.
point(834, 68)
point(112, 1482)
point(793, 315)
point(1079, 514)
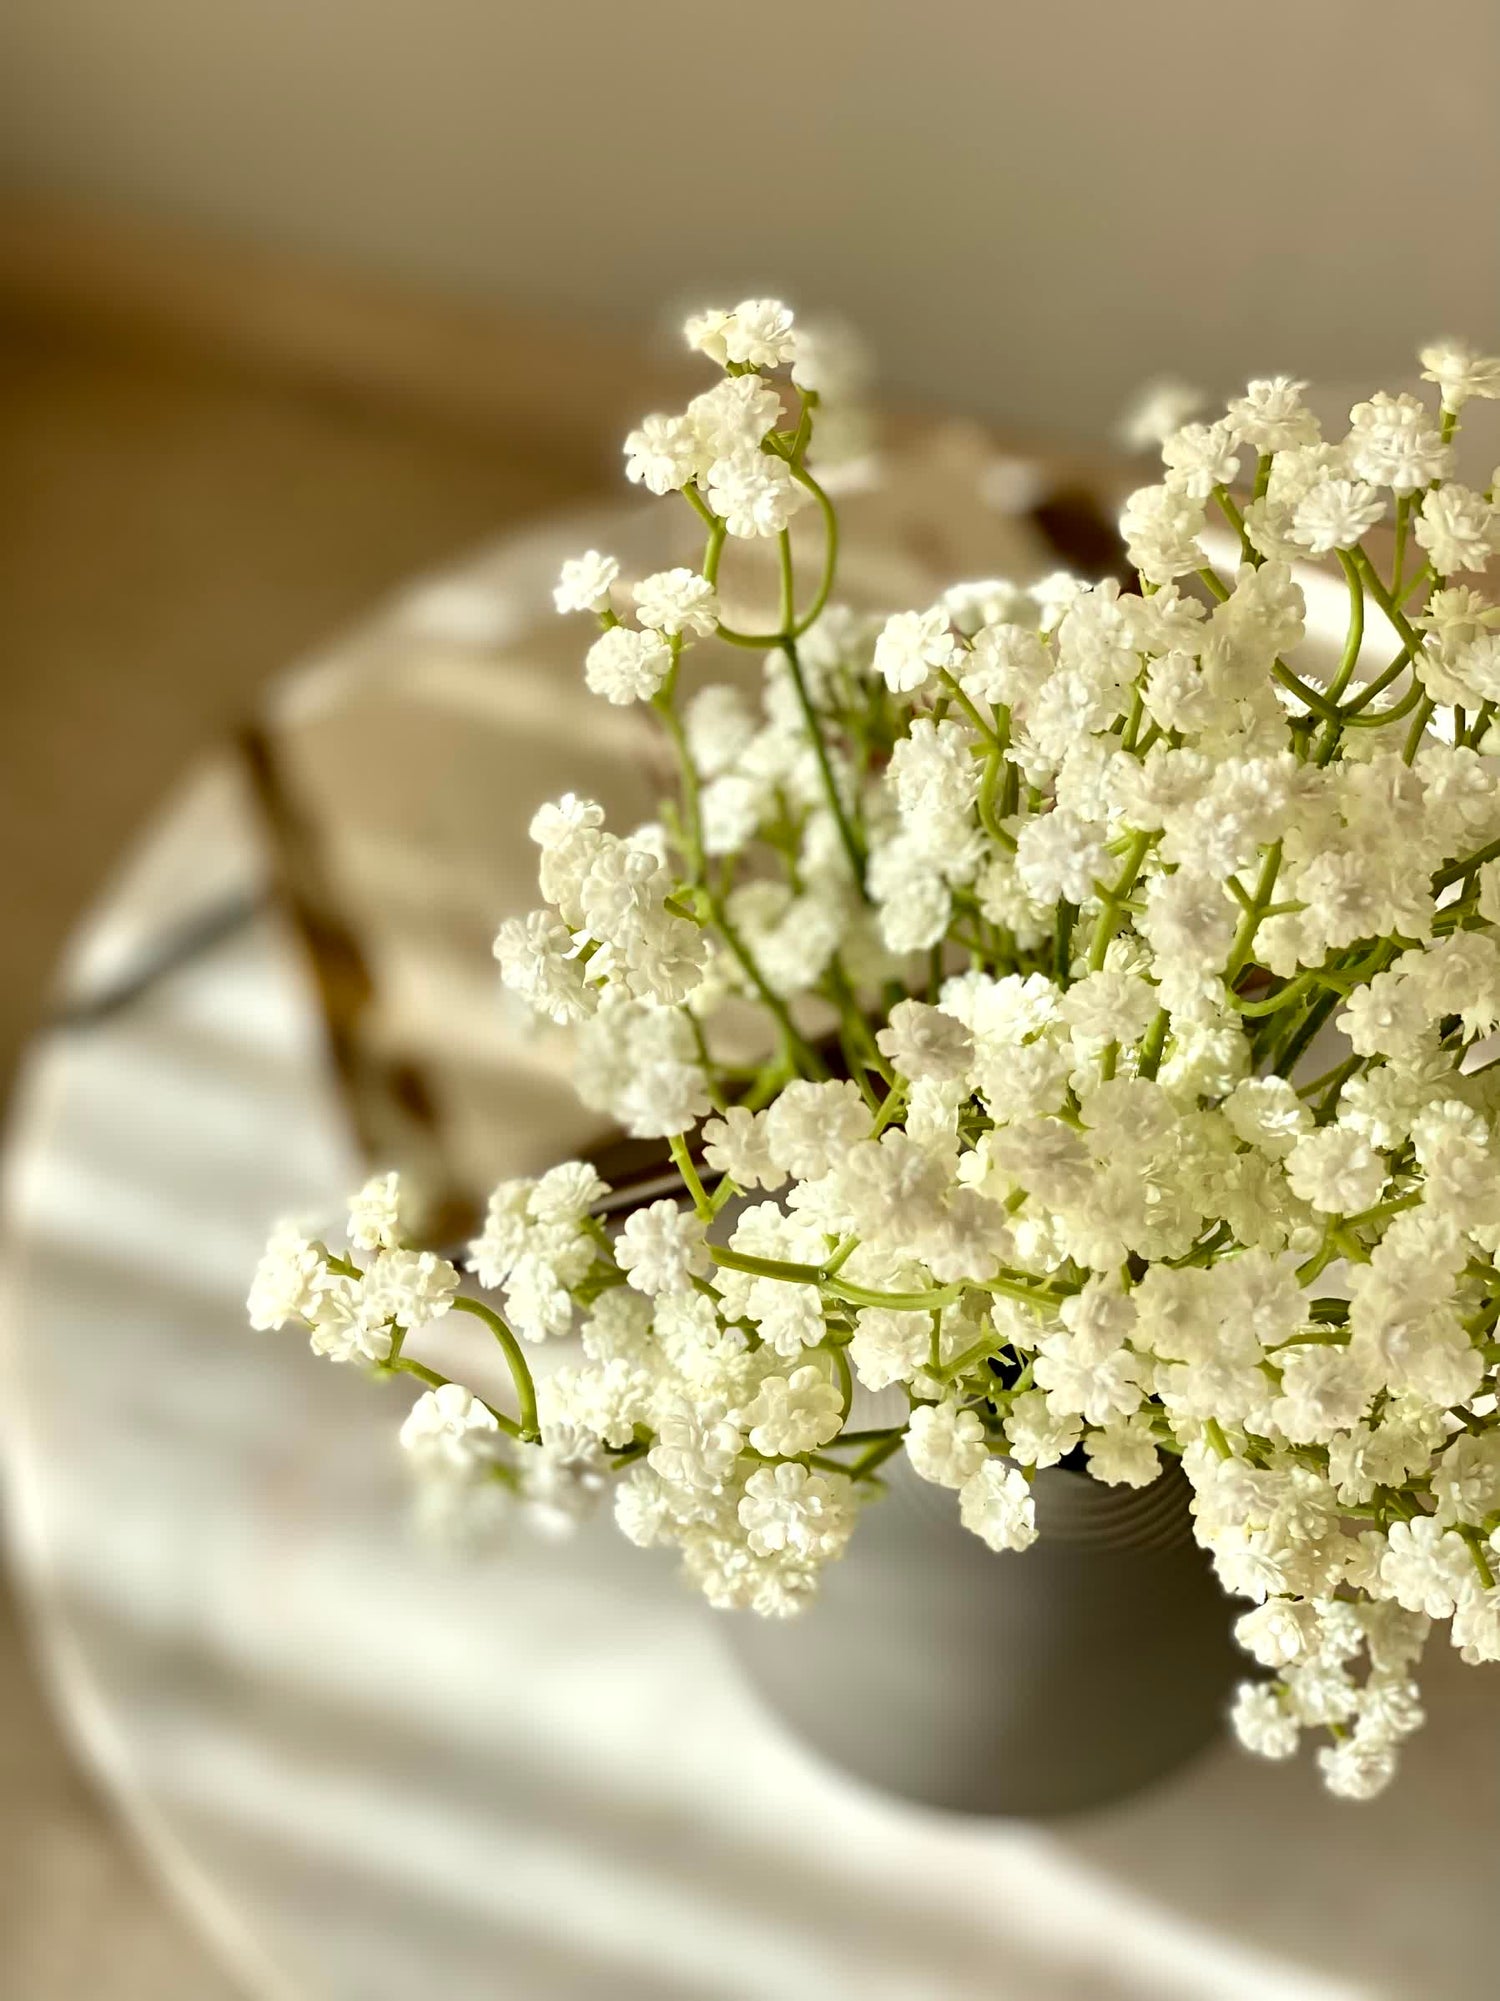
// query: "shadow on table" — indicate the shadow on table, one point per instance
point(1395, 1895)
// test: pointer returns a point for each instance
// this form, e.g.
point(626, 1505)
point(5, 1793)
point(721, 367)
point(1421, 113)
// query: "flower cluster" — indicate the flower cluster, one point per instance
point(1126, 968)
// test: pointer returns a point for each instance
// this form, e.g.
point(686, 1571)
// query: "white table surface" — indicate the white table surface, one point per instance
point(377, 1773)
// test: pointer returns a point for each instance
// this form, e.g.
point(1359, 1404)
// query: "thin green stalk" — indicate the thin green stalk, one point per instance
point(530, 1427)
point(690, 1178)
point(847, 834)
point(830, 550)
point(1244, 940)
point(808, 1057)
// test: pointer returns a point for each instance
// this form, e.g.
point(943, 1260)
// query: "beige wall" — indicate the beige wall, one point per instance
point(1029, 206)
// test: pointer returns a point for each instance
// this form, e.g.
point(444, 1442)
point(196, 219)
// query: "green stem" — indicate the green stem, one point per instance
point(690, 1179)
point(530, 1428)
point(807, 1056)
point(830, 550)
point(847, 835)
point(1115, 899)
point(1256, 909)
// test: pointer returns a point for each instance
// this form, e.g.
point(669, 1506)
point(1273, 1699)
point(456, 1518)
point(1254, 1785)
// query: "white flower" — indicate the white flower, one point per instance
point(792, 1414)
point(1123, 1453)
point(623, 665)
point(450, 1430)
point(374, 1213)
point(737, 1145)
point(1476, 1623)
point(923, 1042)
point(1425, 1568)
point(1458, 528)
point(1460, 372)
point(1357, 1769)
point(1078, 1384)
point(1334, 514)
point(832, 360)
point(913, 646)
point(1265, 1112)
point(1336, 1170)
point(566, 1193)
point(719, 726)
point(584, 583)
point(1278, 1632)
point(753, 493)
point(995, 1504)
point(1272, 417)
point(1199, 457)
point(1161, 526)
point(1393, 442)
point(665, 454)
point(349, 1323)
point(696, 1446)
point(889, 1346)
point(733, 416)
point(410, 1287)
point(811, 1127)
point(1060, 855)
point(539, 960)
point(1037, 1436)
point(705, 333)
point(944, 1443)
point(788, 1509)
point(661, 1249)
point(759, 332)
point(1261, 1723)
point(675, 601)
point(287, 1280)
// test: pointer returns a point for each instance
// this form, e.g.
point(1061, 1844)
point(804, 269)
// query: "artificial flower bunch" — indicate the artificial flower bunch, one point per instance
point(1066, 1008)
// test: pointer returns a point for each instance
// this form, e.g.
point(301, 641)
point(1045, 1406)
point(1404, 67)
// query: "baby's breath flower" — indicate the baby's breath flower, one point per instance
point(449, 1430)
point(585, 582)
point(752, 493)
point(995, 1504)
point(1092, 983)
point(675, 601)
point(1335, 514)
point(1460, 372)
point(624, 665)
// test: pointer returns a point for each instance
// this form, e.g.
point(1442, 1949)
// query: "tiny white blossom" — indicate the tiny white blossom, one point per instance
point(995, 1504)
point(1460, 372)
point(1458, 528)
point(661, 1249)
point(787, 1508)
point(677, 601)
point(1334, 514)
point(624, 665)
point(945, 1444)
point(664, 455)
point(450, 1429)
point(753, 493)
point(585, 581)
point(923, 1042)
point(1336, 1170)
point(287, 1280)
point(913, 646)
point(1261, 1722)
point(760, 333)
point(792, 1414)
point(374, 1214)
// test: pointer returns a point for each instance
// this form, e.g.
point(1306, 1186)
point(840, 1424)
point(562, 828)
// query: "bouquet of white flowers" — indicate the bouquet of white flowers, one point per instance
point(1046, 902)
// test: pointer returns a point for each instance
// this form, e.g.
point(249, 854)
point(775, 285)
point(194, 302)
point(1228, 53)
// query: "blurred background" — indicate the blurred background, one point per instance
point(301, 298)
